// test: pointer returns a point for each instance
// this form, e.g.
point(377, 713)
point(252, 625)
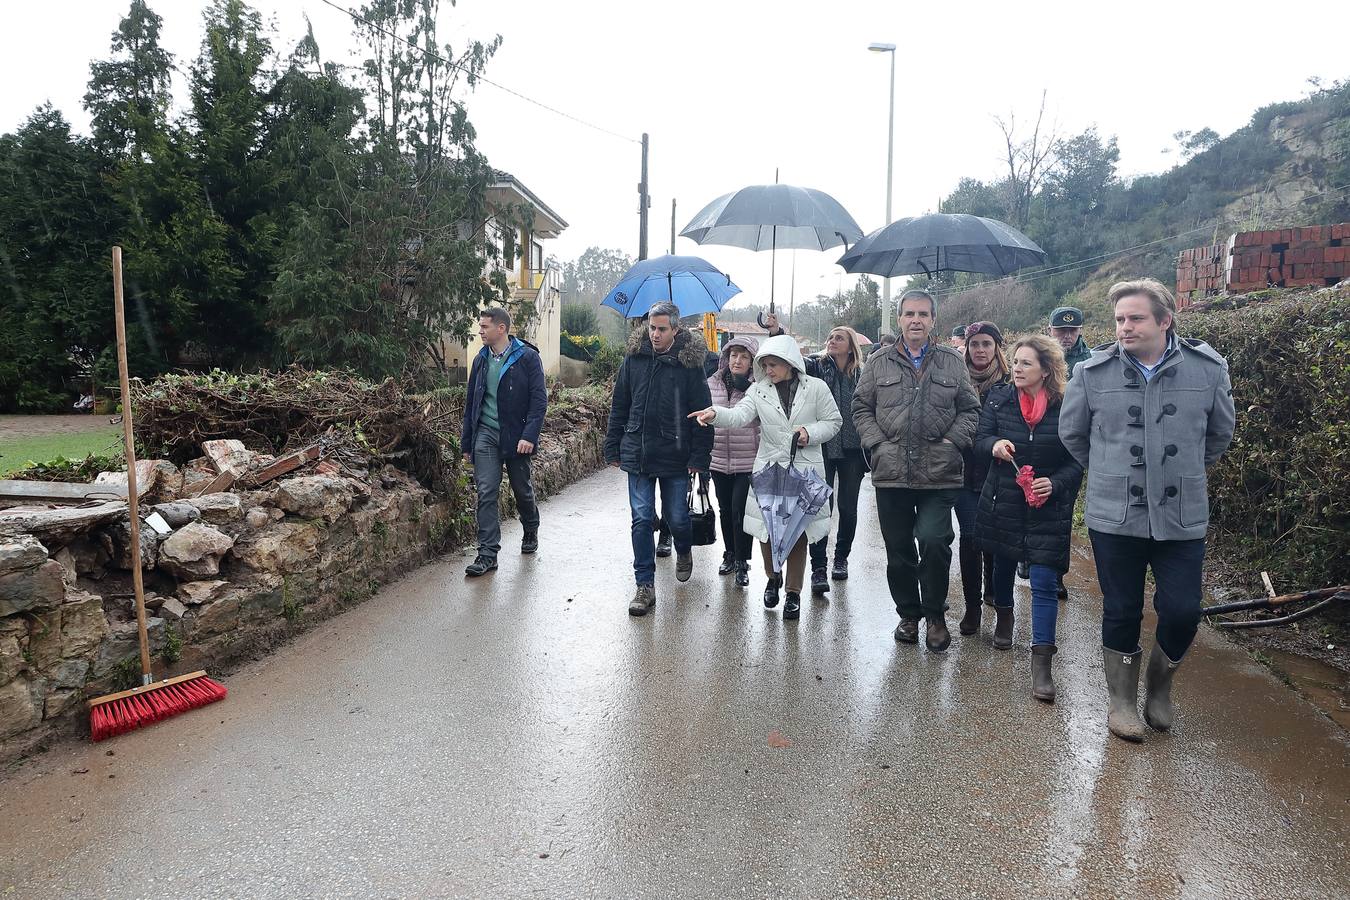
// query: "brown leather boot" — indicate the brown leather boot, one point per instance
point(907, 632)
point(937, 638)
point(1042, 682)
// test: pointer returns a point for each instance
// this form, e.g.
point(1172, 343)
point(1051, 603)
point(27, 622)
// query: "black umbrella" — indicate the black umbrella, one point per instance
point(770, 216)
point(942, 243)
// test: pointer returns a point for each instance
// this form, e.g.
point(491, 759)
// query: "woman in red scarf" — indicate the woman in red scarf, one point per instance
point(1026, 507)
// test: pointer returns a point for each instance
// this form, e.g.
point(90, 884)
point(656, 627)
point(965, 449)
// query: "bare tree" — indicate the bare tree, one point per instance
point(1029, 160)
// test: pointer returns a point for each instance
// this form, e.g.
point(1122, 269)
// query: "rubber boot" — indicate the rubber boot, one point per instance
point(1122, 684)
point(1158, 711)
point(1042, 682)
point(1003, 628)
point(971, 569)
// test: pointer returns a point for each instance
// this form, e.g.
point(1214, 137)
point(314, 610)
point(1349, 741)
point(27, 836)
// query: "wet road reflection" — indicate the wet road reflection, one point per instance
point(520, 734)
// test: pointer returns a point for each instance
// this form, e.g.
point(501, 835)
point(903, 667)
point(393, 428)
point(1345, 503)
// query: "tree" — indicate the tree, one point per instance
point(129, 95)
point(579, 319)
point(1193, 143)
point(56, 306)
point(593, 274)
point(1028, 160)
point(234, 177)
point(402, 233)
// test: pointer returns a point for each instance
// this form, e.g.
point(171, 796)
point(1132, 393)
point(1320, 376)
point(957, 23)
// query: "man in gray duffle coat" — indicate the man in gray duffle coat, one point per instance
point(1147, 415)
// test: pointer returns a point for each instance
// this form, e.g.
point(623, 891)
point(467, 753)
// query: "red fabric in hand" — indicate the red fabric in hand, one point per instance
point(1025, 476)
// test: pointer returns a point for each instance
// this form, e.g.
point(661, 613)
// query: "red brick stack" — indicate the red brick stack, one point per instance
point(1314, 255)
point(1201, 269)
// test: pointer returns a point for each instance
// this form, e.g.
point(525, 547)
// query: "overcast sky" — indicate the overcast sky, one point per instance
point(731, 90)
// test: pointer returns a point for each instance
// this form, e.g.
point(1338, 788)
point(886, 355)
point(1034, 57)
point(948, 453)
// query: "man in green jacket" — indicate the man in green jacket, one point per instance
point(1066, 327)
point(915, 411)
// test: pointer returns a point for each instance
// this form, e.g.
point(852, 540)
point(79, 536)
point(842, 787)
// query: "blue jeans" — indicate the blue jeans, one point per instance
point(642, 502)
point(1177, 568)
point(967, 506)
point(1044, 596)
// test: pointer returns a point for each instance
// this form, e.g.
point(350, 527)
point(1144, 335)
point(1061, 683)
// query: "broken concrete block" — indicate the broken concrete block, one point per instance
point(178, 512)
point(195, 593)
point(283, 547)
point(315, 496)
point(194, 551)
point(218, 508)
point(32, 590)
point(22, 551)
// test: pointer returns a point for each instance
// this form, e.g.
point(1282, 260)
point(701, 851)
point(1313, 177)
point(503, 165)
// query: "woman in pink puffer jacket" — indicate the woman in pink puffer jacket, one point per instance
point(733, 455)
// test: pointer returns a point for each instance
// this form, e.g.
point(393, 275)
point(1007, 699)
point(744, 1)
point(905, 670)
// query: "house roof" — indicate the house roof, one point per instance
point(507, 188)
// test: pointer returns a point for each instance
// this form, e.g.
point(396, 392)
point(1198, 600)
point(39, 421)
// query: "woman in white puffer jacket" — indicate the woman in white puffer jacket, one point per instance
point(789, 405)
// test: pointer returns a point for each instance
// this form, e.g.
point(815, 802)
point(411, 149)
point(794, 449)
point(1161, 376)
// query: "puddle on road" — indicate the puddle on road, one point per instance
point(1326, 687)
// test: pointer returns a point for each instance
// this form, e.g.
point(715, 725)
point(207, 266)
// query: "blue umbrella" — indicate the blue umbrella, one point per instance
point(693, 284)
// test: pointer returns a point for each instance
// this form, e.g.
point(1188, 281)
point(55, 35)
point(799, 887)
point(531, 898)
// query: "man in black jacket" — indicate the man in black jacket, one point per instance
point(651, 437)
point(503, 411)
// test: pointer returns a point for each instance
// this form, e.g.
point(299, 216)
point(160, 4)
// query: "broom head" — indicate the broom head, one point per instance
point(125, 711)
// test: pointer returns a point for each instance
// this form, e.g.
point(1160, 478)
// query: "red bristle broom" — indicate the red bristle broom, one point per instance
point(153, 701)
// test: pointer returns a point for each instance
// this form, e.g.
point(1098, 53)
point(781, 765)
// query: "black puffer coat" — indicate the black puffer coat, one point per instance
point(650, 432)
point(977, 467)
point(1006, 526)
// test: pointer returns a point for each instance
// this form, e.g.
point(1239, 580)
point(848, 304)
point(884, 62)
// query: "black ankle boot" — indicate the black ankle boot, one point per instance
point(819, 583)
point(742, 574)
point(728, 564)
point(792, 606)
point(771, 591)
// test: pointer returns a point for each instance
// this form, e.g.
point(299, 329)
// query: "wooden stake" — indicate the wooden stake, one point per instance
point(136, 579)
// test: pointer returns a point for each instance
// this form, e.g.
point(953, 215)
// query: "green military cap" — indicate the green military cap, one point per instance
point(1066, 317)
point(959, 331)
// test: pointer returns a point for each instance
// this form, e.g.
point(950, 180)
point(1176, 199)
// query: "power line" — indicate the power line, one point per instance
point(501, 87)
point(1087, 262)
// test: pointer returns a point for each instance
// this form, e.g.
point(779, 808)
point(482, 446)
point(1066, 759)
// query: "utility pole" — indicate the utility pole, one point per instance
point(644, 202)
point(672, 226)
point(886, 321)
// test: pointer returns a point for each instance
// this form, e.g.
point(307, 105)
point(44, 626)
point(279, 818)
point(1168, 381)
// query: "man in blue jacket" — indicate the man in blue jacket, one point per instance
point(503, 412)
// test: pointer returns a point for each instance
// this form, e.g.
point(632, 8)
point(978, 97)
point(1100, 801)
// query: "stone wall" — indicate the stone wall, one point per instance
point(240, 573)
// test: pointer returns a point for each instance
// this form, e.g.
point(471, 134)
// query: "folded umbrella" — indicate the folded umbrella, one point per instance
point(788, 497)
point(691, 283)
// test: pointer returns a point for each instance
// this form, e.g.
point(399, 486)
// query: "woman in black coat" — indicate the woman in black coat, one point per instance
point(1019, 427)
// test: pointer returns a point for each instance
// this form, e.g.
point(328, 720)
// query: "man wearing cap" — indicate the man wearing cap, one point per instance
point(916, 411)
point(958, 339)
point(1147, 416)
point(1066, 327)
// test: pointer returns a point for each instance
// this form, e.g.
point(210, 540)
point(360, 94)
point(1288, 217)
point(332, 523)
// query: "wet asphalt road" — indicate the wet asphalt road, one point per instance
point(520, 735)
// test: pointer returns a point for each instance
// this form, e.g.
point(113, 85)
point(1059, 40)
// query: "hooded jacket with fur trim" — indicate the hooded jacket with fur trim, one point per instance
point(649, 431)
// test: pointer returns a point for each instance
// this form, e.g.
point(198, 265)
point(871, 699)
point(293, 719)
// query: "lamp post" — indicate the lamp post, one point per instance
point(886, 321)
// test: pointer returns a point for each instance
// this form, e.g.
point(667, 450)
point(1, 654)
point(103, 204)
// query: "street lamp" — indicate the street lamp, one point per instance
point(890, 163)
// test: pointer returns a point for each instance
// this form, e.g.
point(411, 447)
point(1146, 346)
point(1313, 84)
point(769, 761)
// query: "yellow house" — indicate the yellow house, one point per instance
point(532, 280)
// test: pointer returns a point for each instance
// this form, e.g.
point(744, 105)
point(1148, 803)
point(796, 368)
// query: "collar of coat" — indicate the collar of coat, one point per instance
point(1187, 348)
point(689, 350)
point(900, 352)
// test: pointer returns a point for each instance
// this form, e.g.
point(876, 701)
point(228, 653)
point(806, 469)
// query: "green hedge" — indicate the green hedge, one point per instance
point(1281, 495)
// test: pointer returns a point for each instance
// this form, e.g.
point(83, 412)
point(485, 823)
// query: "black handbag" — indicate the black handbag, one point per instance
point(702, 517)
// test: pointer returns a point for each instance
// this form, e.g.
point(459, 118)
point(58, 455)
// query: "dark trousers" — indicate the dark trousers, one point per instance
point(732, 493)
point(977, 567)
point(487, 477)
point(917, 528)
point(1121, 564)
point(845, 475)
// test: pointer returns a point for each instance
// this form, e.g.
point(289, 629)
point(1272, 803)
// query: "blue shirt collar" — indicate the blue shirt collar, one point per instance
point(917, 360)
point(1148, 371)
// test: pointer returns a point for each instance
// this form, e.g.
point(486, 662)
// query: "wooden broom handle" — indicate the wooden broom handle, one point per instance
point(132, 499)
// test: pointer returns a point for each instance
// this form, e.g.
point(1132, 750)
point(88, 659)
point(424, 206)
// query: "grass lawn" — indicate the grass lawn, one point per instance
point(17, 452)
